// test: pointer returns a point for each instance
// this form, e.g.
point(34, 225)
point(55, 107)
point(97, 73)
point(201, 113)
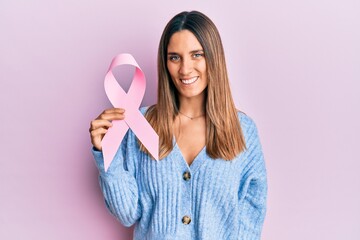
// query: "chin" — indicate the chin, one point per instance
point(193, 95)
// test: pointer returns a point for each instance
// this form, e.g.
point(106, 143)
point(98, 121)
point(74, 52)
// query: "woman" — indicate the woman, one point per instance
point(210, 182)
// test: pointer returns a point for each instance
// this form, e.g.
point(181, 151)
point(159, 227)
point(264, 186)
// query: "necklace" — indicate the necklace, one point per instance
point(191, 118)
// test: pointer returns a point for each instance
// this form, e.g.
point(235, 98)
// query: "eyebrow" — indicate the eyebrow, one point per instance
point(194, 51)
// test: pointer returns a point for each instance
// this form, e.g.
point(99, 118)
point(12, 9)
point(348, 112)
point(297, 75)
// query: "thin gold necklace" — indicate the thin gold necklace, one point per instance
point(192, 117)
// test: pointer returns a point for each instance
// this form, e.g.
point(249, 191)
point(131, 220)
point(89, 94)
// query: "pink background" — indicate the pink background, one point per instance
point(294, 68)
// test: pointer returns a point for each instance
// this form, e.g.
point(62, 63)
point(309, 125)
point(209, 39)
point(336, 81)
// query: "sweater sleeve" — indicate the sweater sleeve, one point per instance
point(253, 196)
point(118, 184)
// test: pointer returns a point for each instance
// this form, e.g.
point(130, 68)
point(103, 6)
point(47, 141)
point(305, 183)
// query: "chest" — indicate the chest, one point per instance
point(173, 177)
point(190, 137)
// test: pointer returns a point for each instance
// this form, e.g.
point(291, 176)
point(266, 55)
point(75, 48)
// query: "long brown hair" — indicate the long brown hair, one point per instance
point(224, 137)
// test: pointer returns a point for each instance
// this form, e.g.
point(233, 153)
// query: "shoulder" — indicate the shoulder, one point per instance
point(246, 121)
point(145, 109)
point(248, 127)
point(253, 152)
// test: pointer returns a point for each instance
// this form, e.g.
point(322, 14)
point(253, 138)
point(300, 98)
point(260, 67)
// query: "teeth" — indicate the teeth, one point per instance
point(189, 81)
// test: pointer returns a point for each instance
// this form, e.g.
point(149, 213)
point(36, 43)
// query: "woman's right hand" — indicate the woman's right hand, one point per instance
point(100, 125)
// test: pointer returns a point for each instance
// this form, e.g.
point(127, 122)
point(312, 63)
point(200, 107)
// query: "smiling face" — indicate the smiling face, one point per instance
point(186, 64)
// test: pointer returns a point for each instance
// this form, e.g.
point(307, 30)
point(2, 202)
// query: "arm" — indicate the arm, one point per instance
point(252, 196)
point(118, 184)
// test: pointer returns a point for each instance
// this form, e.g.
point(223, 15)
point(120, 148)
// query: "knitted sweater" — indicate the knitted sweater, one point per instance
point(211, 199)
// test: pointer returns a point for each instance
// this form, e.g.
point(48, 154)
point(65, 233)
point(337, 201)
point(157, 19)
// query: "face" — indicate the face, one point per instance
point(186, 64)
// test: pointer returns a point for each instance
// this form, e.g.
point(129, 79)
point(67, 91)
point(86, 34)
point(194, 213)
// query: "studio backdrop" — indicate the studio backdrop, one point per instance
point(294, 68)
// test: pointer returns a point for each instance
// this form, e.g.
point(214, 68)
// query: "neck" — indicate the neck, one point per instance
point(193, 107)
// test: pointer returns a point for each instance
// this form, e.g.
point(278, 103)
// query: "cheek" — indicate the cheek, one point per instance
point(202, 67)
point(204, 73)
point(170, 68)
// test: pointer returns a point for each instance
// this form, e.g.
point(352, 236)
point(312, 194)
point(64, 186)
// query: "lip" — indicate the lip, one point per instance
point(189, 81)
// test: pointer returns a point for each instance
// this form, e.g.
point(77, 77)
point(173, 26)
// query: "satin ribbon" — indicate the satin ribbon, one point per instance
point(130, 101)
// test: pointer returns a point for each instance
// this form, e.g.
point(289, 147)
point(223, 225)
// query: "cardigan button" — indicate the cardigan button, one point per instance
point(186, 220)
point(186, 176)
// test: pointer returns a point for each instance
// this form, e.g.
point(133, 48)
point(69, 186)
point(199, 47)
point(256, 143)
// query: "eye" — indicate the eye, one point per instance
point(198, 55)
point(174, 58)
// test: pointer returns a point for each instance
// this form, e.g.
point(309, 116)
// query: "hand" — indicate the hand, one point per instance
point(102, 123)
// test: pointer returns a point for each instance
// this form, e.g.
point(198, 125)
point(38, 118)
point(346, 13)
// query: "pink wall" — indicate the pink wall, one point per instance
point(294, 67)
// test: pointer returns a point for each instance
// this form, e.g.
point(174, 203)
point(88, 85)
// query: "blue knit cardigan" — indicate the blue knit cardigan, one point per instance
point(211, 199)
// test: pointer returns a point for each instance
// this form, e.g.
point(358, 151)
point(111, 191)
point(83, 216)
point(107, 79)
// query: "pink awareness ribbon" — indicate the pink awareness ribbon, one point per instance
point(130, 101)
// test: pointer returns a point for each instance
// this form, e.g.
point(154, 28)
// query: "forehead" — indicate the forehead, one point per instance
point(183, 41)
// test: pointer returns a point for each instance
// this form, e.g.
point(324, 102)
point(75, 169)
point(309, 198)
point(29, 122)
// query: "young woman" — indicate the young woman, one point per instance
point(210, 182)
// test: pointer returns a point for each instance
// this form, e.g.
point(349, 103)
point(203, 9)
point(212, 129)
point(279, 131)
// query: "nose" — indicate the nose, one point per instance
point(186, 67)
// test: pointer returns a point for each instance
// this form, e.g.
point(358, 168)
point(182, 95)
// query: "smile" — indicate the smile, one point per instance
point(189, 81)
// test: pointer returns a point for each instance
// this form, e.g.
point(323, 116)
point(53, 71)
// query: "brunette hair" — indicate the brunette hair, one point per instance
point(224, 137)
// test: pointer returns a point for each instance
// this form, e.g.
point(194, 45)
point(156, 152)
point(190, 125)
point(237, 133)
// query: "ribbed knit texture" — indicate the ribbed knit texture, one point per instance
point(224, 199)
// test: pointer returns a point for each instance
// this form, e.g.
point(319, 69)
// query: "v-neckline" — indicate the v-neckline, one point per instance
point(197, 161)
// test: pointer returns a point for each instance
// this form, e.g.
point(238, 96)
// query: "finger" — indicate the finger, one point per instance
point(114, 110)
point(97, 133)
point(96, 137)
point(111, 116)
point(100, 123)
